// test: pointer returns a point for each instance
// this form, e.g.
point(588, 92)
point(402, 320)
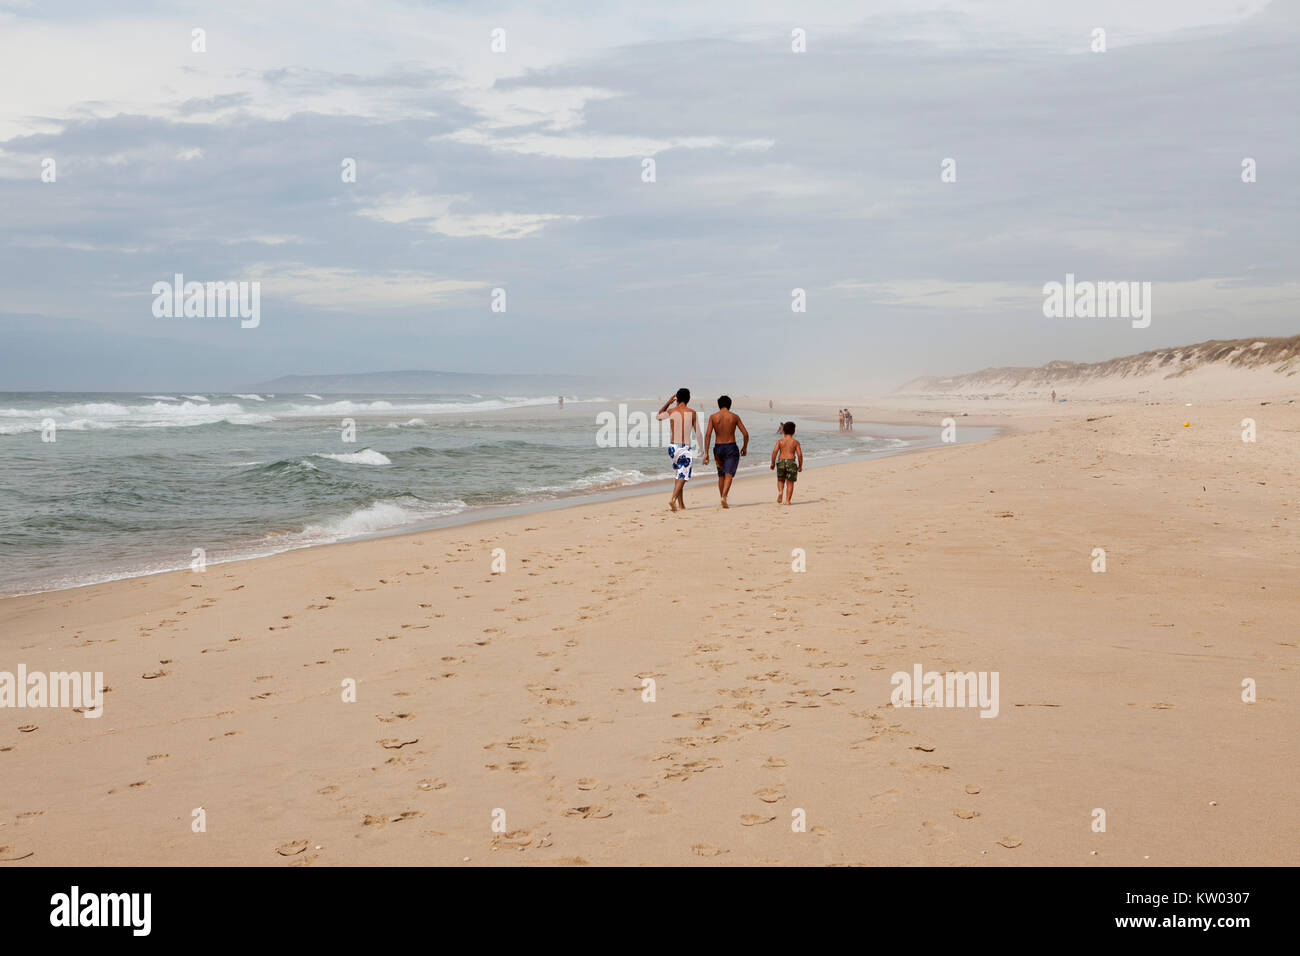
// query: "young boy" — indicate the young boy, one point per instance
point(789, 464)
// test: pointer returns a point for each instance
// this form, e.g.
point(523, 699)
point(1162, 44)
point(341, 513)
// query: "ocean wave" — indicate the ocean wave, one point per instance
point(606, 479)
point(249, 397)
point(367, 456)
point(385, 407)
point(310, 395)
point(162, 398)
point(160, 414)
point(382, 515)
point(197, 398)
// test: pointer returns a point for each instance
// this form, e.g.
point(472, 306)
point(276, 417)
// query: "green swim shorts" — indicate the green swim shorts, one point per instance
point(787, 469)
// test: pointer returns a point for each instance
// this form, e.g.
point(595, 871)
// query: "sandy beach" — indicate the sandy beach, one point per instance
point(520, 697)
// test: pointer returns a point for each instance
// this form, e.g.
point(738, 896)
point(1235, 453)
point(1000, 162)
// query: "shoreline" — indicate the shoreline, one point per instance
point(474, 514)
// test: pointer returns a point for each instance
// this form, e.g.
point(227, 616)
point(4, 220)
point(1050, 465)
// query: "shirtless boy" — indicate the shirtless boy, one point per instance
point(685, 425)
point(789, 464)
point(725, 422)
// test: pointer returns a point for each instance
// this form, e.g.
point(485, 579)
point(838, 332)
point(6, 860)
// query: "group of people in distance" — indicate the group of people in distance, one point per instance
point(787, 454)
point(846, 420)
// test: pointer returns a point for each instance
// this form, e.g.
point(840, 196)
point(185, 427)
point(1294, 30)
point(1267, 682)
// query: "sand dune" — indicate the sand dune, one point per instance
point(1215, 370)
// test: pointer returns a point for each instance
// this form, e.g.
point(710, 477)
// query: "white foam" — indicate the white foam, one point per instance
point(250, 397)
point(197, 398)
point(367, 456)
point(384, 407)
point(310, 395)
point(609, 478)
point(380, 516)
point(98, 415)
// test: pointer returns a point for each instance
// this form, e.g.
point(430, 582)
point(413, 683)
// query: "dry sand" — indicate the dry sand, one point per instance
point(522, 691)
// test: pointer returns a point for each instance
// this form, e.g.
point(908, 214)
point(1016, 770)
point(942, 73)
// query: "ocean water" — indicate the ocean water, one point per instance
point(133, 483)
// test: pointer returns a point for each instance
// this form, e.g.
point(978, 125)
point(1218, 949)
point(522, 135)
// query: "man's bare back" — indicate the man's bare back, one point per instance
point(723, 425)
point(682, 422)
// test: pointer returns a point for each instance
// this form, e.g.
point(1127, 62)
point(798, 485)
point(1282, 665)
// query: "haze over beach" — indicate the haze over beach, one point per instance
point(739, 435)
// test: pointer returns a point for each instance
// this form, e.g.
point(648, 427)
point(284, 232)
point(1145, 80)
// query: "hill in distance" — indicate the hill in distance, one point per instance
point(1218, 369)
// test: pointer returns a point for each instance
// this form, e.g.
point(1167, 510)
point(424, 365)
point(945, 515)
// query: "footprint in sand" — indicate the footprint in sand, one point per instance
point(292, 849)
point(1009, 842)
point(158, 673)
point(754, 819)
point(7, 855)
point(775, 763)
point(587, 783)
point(379, 822)
point(972, 789)
point(514, 840)
point(432, 784)
point(393, 743)
point(769, 794)
point(706, 849)
point(965, 814)
point(152, 757)
point(592, 813)
point(28, 728)
point(332, 788)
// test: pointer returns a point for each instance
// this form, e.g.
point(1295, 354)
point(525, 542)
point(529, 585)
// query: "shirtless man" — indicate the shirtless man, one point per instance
point(685, 425)
point(725, 422)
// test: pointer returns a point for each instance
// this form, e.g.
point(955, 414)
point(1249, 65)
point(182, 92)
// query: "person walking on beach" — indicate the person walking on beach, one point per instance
point(789, 464)
point(841, 419)
point(725, 422)
point(685, 425)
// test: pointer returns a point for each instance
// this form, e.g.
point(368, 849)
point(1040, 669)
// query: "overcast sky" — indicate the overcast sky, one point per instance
point(522, 170)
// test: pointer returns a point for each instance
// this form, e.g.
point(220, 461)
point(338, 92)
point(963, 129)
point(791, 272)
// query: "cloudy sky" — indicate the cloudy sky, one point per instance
point(523, 170)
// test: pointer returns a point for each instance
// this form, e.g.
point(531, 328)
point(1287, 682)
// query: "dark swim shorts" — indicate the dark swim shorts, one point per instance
point(787, 469)
point(727, 456)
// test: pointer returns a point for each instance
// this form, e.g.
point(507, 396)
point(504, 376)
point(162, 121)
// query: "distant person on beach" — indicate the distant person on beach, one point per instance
point(685, 424)
point(848, 420)
point(561, 397)
point(725, 422)
point(1053, 396)
point(788, 464)
point(769, 404)
point(841, 419)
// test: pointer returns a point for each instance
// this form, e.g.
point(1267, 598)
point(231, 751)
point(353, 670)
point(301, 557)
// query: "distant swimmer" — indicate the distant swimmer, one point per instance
point(725, 422)
point(685, 425)
point(561, 401)
point(787, 459)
